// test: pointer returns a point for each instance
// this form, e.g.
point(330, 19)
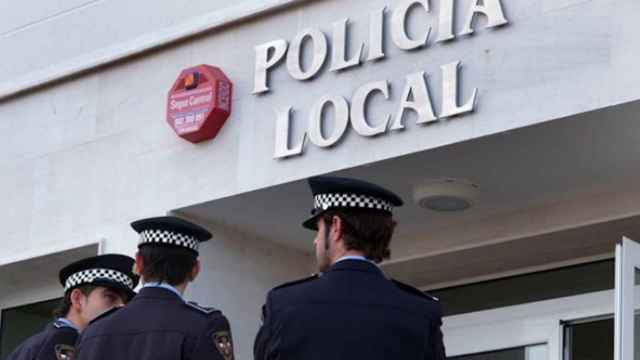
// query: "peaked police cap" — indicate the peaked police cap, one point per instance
point(331, 192)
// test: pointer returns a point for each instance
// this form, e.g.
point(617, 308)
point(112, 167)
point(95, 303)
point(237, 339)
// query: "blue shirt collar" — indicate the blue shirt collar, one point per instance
point(163, 286)
point(355, 257)
point(64, 322)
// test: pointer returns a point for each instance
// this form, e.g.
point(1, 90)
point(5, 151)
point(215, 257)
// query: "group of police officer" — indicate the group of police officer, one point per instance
point(349, 310)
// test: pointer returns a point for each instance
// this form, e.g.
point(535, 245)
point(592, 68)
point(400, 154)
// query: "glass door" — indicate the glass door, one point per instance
point(626, 323)
point(19, 323)
point(588, 339)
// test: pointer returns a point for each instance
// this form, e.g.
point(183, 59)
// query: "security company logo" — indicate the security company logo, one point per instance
point(199, 103)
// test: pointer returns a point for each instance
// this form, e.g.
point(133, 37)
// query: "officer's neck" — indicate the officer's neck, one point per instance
point(76, 318)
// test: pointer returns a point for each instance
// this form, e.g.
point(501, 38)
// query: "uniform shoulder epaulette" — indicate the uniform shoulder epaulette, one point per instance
point(105, 314)
point(202, 309)
point(296, 282)
point(414, 291)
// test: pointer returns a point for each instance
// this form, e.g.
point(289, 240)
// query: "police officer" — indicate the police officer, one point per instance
point(91, 286)
point(350, 311)
point(158, 323)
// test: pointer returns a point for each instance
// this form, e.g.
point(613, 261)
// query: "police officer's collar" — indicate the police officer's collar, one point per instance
point(355, 257)
point(65, 323)
point(163, 285)
point(355, 265)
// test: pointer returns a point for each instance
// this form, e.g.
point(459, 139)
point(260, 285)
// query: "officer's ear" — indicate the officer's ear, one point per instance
point(336, 229)
point(77, 299)
point(138, 266)
point(195, 270)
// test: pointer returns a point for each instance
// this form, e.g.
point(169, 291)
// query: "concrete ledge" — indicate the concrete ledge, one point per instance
point(140, 44)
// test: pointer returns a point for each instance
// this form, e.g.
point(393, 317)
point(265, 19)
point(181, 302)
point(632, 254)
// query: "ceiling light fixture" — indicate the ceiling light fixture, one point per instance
point(446, 195)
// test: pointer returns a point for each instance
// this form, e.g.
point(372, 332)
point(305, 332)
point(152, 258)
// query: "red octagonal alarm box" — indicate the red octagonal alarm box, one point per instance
point(199, 103)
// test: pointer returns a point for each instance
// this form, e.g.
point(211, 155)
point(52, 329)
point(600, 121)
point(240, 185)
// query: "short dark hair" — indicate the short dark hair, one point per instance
point(62, 310)
point(365, 230)
point(171, 265)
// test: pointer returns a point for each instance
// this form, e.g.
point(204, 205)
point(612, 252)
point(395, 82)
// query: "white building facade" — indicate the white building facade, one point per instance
point(515, 120)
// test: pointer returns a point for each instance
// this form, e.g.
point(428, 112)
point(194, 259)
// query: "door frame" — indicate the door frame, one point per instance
point(627, 298)
point(526, 324)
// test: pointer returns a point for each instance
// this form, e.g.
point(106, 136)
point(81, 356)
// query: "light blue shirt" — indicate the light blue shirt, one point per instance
point(356, 257)
point(64, 322)
point(164, 286)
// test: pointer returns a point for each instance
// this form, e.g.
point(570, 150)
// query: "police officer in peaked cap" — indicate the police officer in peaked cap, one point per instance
point(351, 310)
point(159, 323)
point(91, 287)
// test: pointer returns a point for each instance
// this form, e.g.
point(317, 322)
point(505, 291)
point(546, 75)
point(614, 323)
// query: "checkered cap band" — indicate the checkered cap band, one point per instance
point(89, 276)
point(170, 238)
point(327, 201)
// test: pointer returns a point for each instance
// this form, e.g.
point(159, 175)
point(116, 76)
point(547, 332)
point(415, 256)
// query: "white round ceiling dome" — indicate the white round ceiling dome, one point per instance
point(446, 194)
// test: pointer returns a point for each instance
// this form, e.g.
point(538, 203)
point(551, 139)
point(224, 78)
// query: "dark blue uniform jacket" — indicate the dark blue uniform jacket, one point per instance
point(157, 325)
point(351, 312)
point(55, 342)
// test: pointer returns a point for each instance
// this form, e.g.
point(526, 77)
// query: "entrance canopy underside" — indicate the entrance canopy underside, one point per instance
point(36, 279)
point(556, 192)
